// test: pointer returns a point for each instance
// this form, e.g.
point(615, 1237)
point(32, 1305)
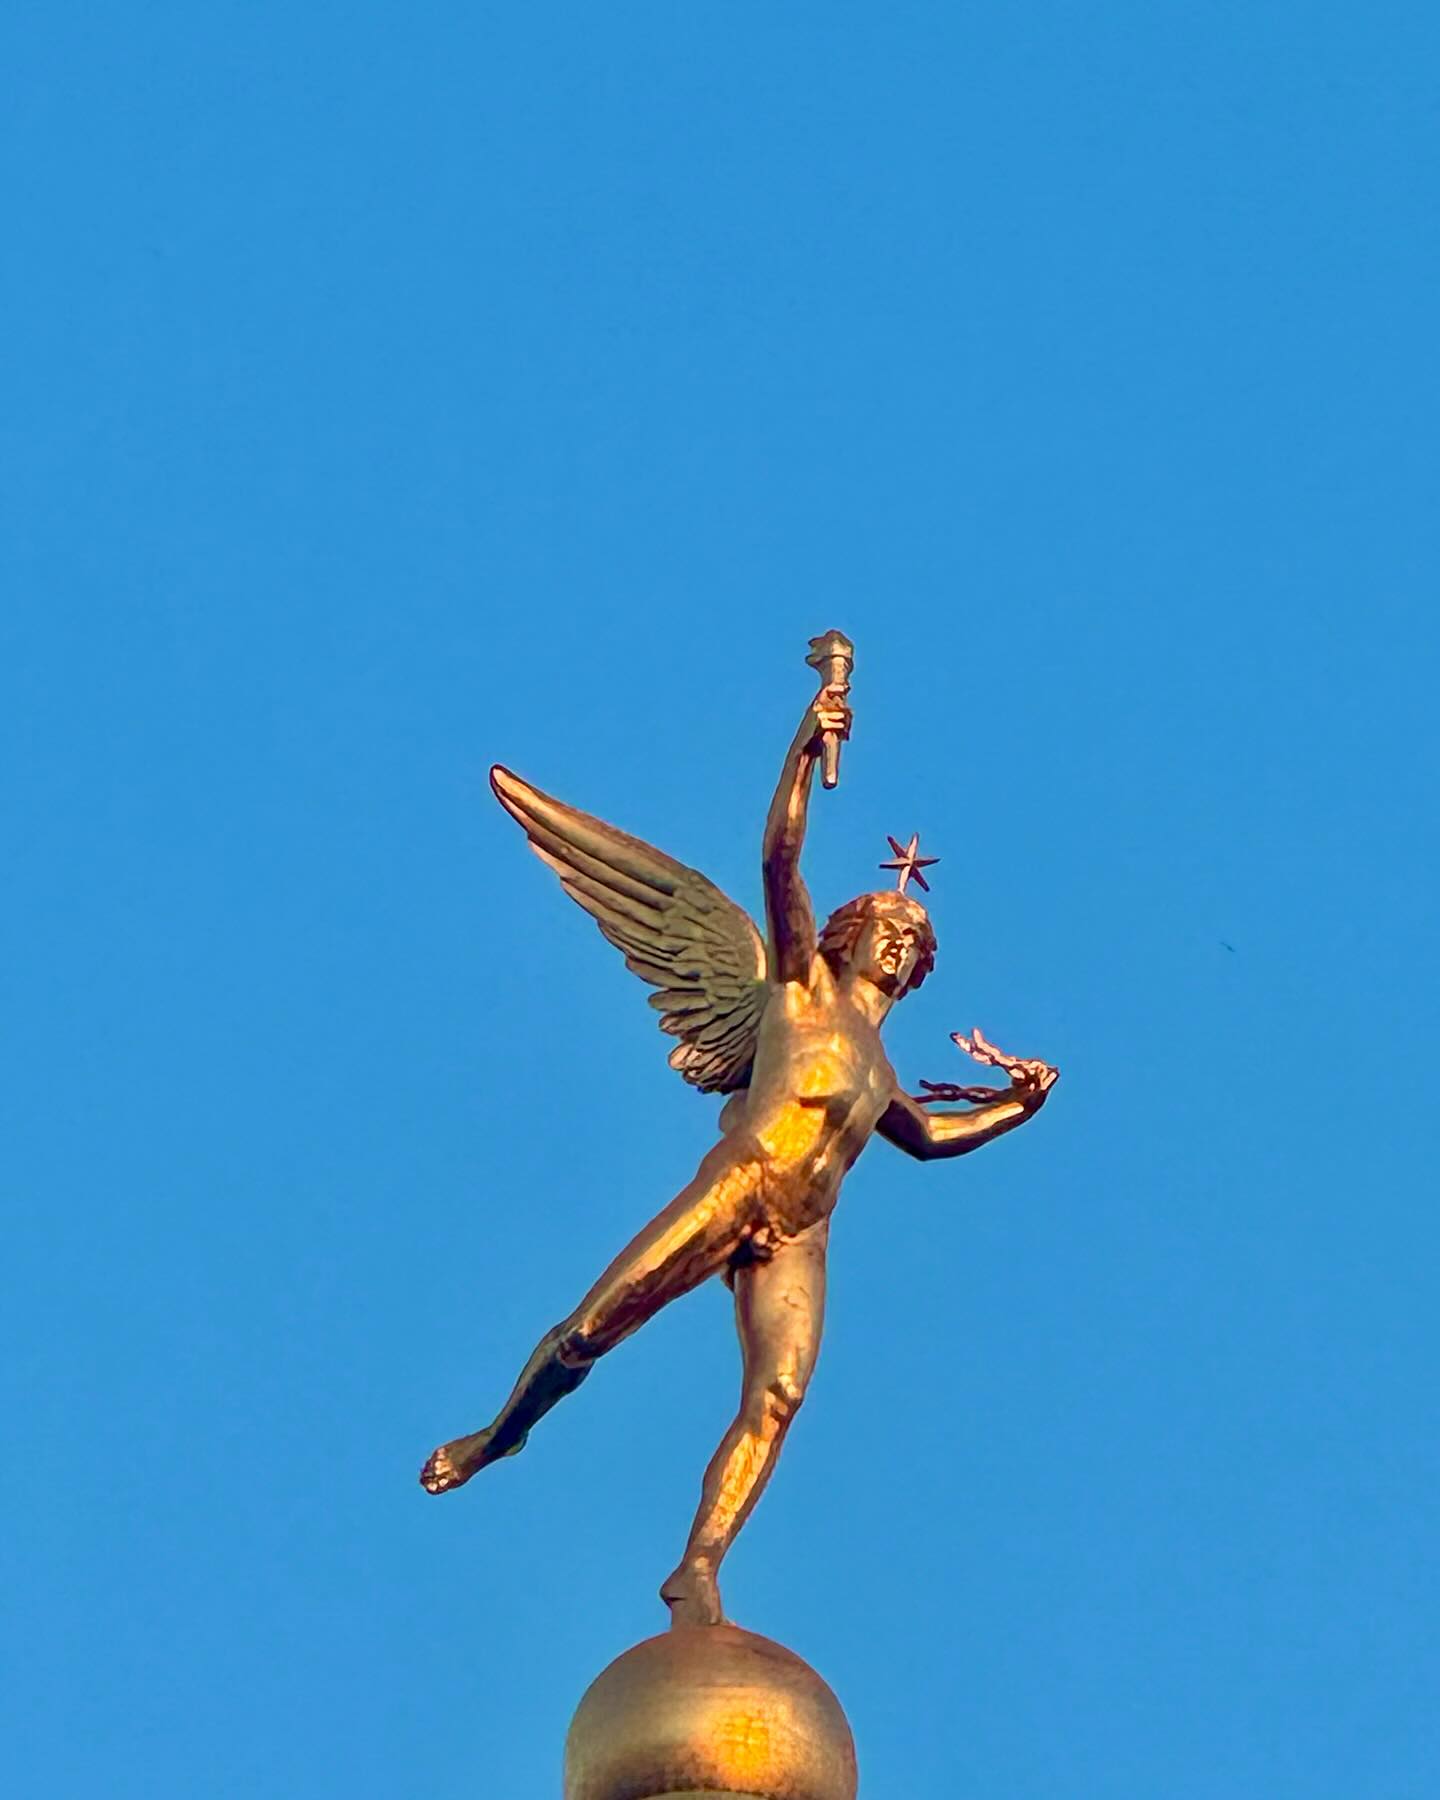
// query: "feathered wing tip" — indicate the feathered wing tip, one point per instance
point(674, 928)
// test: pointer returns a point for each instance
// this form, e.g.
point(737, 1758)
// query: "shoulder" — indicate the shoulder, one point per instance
point(797, 1001)
point(822, 980)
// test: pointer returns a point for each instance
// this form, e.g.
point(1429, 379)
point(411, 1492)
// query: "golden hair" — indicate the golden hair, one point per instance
point(842, 929)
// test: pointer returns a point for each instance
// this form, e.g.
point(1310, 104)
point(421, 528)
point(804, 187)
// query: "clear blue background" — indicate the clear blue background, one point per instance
point(391, 390)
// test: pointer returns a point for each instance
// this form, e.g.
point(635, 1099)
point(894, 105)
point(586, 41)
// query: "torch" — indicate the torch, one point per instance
point(832, 657)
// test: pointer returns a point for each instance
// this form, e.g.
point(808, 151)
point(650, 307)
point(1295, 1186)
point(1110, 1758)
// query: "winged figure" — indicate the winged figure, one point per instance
point(788, 1025)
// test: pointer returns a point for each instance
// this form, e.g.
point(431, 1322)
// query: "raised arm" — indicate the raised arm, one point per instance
point(789, 920)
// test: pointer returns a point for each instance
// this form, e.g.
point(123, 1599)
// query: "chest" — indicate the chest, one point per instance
point(824, 1052)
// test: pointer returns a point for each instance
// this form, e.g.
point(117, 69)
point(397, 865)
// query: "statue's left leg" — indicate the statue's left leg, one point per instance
point(779, 1309)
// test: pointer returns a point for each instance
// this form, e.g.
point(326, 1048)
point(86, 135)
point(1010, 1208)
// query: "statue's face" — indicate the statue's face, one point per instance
point(887, 952)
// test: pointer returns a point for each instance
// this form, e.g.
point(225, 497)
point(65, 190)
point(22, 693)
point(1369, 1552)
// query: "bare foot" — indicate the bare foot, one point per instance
point(440, 1474)
point(693, 1596)
point(452, 1465)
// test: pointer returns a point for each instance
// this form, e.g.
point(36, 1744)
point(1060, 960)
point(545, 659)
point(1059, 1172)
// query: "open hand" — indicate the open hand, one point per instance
point(1030, 1079)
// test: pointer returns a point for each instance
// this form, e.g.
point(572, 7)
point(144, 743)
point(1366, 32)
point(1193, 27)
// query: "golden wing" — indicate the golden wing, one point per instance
point(675, 929)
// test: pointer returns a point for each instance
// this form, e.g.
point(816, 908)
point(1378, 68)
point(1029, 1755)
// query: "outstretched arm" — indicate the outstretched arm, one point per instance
point(789, 920)
point(929, 1135)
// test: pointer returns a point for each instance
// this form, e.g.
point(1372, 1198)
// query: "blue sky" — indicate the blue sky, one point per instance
point(391, 393)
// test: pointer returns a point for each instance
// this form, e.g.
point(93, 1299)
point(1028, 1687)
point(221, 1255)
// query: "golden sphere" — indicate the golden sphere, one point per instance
point(712, 1710)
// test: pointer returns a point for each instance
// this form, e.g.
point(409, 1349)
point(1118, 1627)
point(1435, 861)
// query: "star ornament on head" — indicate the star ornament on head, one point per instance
point(909, 862)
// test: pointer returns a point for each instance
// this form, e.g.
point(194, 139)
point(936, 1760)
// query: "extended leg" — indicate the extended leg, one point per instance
point(693, 1238)
point(780, 1309)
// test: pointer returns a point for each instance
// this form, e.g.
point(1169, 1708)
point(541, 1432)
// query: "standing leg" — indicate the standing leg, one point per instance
point(780, 1309)
point(692, 1239)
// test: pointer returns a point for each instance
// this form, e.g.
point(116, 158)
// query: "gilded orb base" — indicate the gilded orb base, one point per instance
point(713, 1711)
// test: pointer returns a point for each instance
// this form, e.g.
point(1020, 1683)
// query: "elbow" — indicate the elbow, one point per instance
point(911, 1135)
point(780, 873)
point(775, 865)
point(916, 1147)
point(781, 845)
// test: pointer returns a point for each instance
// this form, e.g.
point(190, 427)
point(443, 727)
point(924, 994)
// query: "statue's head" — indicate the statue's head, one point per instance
point(886, 937)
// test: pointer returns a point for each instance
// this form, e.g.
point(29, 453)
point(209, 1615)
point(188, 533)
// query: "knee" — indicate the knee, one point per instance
point(778, 1401)
point(573, 1343)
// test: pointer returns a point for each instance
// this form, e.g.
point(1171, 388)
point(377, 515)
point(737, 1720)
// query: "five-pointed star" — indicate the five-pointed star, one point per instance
point(910, 862)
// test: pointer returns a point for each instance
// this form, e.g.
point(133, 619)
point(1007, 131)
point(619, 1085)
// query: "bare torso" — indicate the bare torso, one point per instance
point(820, 1085)
point(757, 1209)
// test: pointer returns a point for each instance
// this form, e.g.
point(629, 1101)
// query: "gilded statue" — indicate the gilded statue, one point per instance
point(788, 1026)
